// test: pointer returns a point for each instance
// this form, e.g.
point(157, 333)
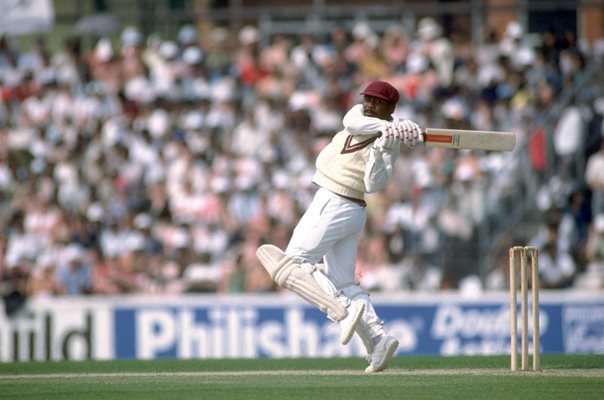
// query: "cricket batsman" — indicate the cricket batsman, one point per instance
point(320, 259)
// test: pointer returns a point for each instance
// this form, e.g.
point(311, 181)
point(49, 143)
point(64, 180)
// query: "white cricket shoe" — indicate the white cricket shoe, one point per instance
point(383, 352)
point(350, 322)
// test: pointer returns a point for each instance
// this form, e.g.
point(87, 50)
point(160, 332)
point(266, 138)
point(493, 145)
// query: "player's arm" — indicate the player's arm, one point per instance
point(358, 124)
point(379, 168)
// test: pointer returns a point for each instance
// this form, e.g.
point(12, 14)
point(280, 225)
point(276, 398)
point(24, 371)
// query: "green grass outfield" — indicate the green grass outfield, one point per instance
point(576, 377)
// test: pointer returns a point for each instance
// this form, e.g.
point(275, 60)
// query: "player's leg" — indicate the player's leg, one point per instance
point(327, 223)
point(380, 346)
point(340, 228)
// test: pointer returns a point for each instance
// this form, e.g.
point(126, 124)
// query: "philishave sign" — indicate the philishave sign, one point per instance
point(280, 325)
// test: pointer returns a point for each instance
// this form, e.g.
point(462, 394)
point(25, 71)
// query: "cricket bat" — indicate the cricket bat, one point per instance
point(467, 139)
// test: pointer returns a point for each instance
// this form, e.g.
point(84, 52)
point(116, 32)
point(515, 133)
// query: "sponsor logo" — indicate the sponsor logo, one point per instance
point(435, 138)
point(583, 329)
point(47, 335)
point(476, 330)
point(226, 332)
point(452, 139)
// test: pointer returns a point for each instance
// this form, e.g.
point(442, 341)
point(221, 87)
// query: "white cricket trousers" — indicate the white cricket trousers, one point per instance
point(330, 230)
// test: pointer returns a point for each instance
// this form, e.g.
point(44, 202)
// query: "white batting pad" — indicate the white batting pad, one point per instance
point(285, 272)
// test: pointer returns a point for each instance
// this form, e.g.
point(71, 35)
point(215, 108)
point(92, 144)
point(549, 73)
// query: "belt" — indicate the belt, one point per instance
point(360, 202)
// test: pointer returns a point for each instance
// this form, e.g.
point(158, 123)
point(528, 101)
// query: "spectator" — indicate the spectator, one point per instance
point(233, 275)
point(594, 177)
point(395, 48)
point(14, 287)
point(593, 276)
point(437, 48)
point(219, 54)
point(74, 272)
point(557, 267)
point(103, 273)
point(43, 281)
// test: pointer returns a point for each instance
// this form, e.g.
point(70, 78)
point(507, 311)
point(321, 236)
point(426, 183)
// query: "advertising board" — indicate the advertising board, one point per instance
point(280, 325)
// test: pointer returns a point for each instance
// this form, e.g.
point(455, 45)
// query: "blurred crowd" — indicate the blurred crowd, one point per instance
point(158, 165)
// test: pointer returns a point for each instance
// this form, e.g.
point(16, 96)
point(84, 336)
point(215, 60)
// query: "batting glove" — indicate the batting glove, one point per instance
point(410, 132)
point(391, 137)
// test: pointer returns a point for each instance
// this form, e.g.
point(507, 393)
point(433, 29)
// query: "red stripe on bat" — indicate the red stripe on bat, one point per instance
point(439, 138)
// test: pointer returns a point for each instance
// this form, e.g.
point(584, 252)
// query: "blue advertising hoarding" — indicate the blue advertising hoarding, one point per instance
point(280, 325)
point(298, 330)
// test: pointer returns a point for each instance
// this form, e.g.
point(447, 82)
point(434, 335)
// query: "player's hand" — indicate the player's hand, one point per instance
point(410, 132)
point(391, 137)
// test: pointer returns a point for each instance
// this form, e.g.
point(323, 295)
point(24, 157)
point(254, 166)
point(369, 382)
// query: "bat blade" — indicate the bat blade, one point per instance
point(466, 139)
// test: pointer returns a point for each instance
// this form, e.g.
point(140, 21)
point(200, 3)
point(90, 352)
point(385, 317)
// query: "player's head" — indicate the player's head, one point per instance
point(379, 99)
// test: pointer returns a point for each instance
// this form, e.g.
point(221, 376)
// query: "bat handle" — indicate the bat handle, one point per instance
point(422, 136)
